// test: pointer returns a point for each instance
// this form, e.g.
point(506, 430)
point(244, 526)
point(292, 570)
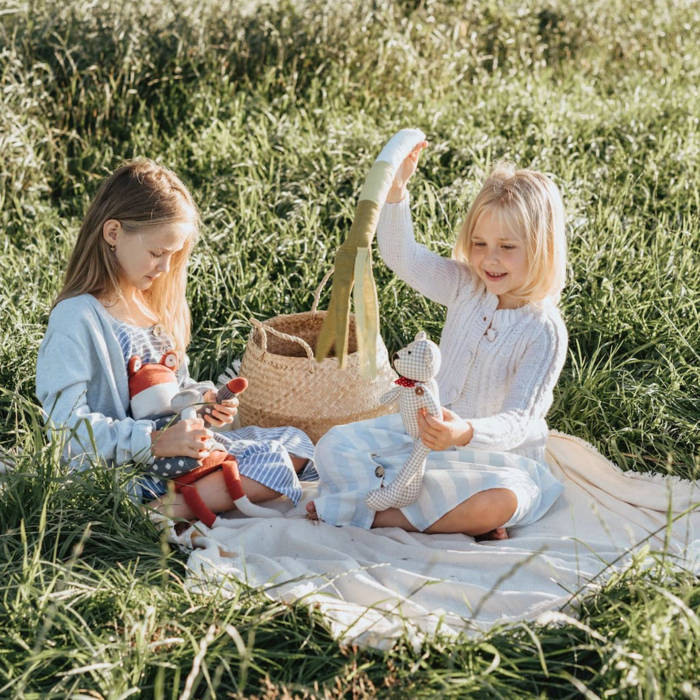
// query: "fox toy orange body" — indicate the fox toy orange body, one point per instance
point(154, 393)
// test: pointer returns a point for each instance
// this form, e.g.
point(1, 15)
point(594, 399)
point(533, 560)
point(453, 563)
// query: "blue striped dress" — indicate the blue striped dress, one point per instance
point(354, 459)
point(263, 454)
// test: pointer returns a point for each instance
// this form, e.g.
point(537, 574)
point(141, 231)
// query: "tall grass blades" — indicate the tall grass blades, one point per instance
point(272, 112)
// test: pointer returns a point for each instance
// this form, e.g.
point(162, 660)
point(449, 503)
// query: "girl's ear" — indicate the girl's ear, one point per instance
point(111, 230)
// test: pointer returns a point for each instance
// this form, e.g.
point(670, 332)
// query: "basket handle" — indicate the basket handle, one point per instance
point(264, 330)
point(317, 293)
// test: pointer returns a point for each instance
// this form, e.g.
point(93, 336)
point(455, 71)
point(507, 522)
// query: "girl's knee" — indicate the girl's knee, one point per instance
point(495, 508)
point(500, 503)
point(505, 499)
point(483, 512)
point(298, 463)
point(256, 491)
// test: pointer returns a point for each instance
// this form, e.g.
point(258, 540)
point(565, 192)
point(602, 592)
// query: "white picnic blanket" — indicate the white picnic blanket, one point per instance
point(373, 585)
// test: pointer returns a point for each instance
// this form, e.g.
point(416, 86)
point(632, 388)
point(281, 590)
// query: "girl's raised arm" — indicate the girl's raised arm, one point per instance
point(431, 274)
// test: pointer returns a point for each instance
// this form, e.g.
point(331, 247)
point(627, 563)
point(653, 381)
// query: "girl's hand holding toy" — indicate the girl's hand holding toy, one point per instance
point(222, 413)
point(187, 438)
point(451, 431)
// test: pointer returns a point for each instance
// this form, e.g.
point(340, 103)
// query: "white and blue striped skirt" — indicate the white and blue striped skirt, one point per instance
point(354, 459)
point(263, 455)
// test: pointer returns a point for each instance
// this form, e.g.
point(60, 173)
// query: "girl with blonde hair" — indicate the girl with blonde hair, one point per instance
point(124, 296)
point(503, 347)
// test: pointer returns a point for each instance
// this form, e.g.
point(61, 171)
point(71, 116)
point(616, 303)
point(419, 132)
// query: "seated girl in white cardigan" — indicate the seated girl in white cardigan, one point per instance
point(503, 347)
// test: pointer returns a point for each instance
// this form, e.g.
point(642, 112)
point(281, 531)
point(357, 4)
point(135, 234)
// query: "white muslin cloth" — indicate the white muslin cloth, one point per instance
point(372, 586)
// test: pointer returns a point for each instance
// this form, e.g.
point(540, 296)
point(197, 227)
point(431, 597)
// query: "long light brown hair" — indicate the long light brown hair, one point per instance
point(139, 194)
point(531, 204)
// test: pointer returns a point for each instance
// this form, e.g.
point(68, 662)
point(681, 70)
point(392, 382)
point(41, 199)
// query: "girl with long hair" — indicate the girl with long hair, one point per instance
point(123, 296)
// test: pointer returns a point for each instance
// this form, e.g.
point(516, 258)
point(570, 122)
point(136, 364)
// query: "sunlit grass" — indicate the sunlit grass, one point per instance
point(272, 113)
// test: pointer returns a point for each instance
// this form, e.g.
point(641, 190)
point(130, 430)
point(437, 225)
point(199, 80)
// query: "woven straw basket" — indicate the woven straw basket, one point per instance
point(288, 387)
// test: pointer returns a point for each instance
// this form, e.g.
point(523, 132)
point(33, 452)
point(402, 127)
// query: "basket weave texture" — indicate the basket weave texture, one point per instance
point(288, 387)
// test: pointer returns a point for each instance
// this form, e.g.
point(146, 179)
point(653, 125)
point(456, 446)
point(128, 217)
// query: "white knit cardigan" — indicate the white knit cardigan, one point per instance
point(499, 366)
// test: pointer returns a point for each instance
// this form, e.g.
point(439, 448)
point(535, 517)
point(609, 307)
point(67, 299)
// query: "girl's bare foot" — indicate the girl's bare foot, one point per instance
point(311, 513)
point(500, 533)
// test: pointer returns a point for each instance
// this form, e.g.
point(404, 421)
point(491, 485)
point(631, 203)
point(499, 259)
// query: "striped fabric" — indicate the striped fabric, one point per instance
point(148, 343)
point(135, 340)
point(353, 459)
point(263, 453)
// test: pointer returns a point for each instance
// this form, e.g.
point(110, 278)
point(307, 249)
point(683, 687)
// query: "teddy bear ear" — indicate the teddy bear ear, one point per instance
point(421, 335)
point(134, 365)
point(169, 359)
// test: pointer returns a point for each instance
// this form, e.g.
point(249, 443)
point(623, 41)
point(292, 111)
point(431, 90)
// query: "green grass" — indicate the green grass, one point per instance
point(272, 113)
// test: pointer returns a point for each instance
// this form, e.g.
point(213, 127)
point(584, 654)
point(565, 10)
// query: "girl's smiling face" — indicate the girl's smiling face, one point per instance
point(498, 256)
point(145, 254)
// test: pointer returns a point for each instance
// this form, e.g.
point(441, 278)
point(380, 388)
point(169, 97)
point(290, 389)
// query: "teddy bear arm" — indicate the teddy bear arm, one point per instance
point(390, 395)
point(432, 404)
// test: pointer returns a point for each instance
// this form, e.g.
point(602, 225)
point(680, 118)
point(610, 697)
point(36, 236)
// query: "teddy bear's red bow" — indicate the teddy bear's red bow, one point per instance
point(405, 381)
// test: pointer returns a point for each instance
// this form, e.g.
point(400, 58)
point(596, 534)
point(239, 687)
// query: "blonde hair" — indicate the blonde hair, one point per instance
point(140, 193)
point(531, 204)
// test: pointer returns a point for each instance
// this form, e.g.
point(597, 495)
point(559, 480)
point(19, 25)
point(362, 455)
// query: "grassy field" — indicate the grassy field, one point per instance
point(272, 113)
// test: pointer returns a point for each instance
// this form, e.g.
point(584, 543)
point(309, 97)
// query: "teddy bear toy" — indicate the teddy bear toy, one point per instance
point(154, 394)
point(417, 364)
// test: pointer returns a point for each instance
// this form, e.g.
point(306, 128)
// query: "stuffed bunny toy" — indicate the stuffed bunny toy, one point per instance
point(417, 364)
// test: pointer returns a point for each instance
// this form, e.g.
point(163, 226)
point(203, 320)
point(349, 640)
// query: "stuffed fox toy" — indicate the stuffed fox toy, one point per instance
point(417, 364)
point(154, 394)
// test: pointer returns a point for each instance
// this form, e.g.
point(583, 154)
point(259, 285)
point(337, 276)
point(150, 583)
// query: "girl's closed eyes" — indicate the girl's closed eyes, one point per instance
point(480, 244)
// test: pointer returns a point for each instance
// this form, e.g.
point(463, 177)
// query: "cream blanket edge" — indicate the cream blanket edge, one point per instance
point(373, 586)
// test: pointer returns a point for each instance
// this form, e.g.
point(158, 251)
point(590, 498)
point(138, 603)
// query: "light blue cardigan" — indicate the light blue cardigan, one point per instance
point(82, 384)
